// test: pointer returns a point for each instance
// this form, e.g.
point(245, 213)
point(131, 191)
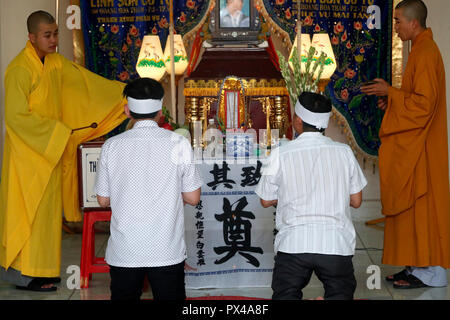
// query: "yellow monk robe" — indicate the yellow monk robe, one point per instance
point(39, 115)
point(414, 175)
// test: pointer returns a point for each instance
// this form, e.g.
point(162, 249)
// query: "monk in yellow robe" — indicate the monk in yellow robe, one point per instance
point(413, 158)
point(46, 96)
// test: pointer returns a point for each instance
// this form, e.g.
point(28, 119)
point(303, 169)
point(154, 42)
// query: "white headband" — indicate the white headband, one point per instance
point(144, 106)
point(319, 120)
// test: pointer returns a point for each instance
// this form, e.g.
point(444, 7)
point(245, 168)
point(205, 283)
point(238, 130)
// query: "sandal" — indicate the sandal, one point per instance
point(413, 283)
point(36, 285)
point(45, 280)
point(402, 275)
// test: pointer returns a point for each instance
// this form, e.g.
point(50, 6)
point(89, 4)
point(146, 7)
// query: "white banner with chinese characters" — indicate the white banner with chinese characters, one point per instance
point(229, 235)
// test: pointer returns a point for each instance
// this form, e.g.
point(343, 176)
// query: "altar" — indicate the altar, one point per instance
point(229, 235)
point(238, 88)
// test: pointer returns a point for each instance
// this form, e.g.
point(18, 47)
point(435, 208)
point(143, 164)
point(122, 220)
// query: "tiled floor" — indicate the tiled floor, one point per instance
point(369, 243)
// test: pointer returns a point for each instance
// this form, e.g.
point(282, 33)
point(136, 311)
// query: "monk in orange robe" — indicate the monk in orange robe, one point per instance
point(413, 158)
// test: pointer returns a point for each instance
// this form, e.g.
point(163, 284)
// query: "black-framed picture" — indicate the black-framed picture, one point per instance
point(235, 21)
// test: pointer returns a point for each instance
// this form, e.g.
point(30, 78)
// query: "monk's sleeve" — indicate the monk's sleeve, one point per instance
point(87, 98)
point(34, 130)
point(413, 110)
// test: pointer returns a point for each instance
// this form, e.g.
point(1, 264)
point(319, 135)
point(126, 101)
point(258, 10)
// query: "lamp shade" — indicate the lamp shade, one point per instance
point(181, 59)
point(305, 43)
point(150, 62)
point(322, 43)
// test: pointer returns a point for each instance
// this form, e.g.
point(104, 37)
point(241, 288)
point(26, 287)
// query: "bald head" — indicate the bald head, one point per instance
point(36, 18)
point(414, 10)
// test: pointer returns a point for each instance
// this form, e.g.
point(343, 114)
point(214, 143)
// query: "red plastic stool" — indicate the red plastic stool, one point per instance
point(89, 262)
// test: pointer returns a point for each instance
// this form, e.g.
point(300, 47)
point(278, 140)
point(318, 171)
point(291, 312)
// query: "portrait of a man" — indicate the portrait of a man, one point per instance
point(234, 14)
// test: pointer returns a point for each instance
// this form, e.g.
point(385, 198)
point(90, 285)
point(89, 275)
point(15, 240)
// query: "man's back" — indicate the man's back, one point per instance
point(147, 169)
point(315, 179)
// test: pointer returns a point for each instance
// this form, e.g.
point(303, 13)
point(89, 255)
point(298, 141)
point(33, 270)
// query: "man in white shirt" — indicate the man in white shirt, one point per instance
point(145, 174)
point(312, 181)
point(232, 16)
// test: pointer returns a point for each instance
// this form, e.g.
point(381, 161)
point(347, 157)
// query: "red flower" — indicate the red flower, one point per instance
point(349, 73)
point(357, 25)
point(183, 17)
point(124, 76)
point(129, 40)
point(308, 21)
point(288, 13)
point(338, 28)
point(190, 4)
point(167, 126)
point(344, 37)
point(362, 51)
point(138, 43)
point(279, 2)
point(154, 30)
point(124, 48)
point(348, 45)
point(344, 94)
point(134, 31)
point(114, 28)
point(317, 28)
point(335, 40)
point(163, 23)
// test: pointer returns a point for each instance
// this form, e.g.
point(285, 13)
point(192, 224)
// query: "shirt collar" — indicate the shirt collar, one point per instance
point(145, 123)
point(310, 135)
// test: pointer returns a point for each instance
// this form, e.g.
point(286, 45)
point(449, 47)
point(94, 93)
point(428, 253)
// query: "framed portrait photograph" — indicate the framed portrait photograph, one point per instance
point(234, 14)
point(234, 21)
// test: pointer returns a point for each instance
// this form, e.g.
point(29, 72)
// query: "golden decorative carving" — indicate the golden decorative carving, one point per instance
point(253, 87)
point(232, 84)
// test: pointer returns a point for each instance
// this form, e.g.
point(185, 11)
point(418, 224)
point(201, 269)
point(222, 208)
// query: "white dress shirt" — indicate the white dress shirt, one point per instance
point(144, 171)
point(312, 177)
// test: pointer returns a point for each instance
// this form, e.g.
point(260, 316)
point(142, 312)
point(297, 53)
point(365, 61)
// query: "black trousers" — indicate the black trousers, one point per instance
point(167, 282)
point(292, 272)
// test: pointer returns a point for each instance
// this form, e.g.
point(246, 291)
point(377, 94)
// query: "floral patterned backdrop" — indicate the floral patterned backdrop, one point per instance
point(361, 36)
point(113, 30)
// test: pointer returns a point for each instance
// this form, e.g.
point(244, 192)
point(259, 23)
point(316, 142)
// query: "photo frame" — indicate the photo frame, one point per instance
point(88, 154)
point(235, 22)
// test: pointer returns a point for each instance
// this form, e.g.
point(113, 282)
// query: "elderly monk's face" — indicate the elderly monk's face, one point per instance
point(45, 40)
point(403, 26)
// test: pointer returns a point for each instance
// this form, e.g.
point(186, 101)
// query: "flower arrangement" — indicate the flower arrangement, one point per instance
point(298, 81)
point(167, 121)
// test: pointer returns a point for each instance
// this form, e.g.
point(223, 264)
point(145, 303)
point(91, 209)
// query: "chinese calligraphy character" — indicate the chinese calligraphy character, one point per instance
point(220, 176)
point(199, 205)
point(200, 228)
point(251, 175)
point(236, 232)
point(201, 258)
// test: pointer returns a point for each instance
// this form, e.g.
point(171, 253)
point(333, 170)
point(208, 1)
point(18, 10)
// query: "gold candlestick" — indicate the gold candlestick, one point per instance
point(194, 116)
point(266, 106)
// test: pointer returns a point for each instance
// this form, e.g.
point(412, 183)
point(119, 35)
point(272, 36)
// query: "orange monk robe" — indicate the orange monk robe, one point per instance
point(413, 157)
point(43, 102)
